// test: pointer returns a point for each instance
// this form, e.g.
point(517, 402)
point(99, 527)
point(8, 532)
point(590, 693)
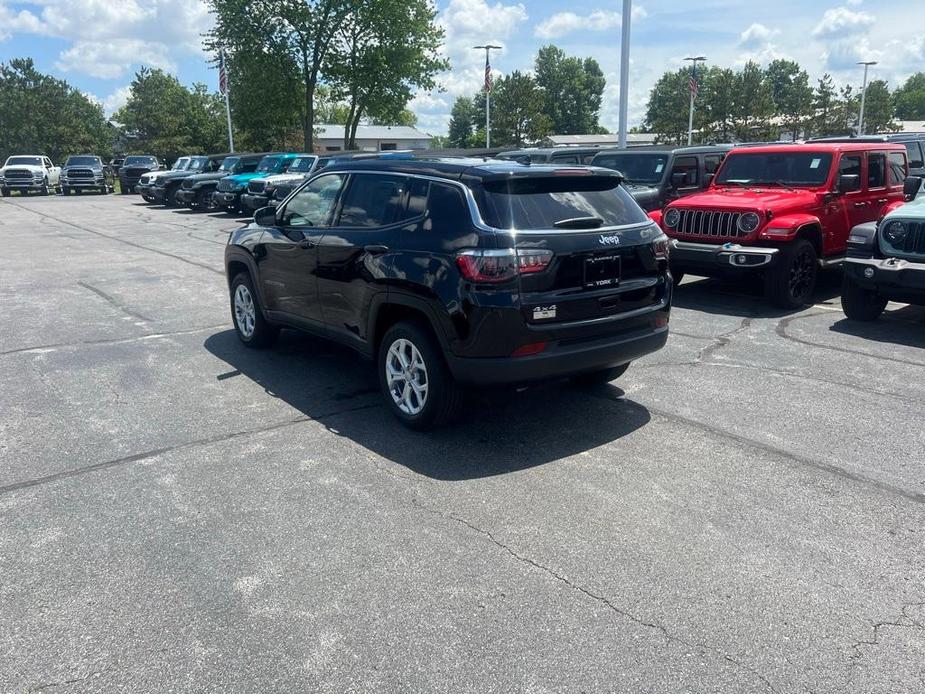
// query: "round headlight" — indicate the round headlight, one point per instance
point(672, 217)
point(748, 222)
point(895, 233)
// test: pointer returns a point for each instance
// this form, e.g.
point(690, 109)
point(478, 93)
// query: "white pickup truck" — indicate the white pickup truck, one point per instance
point(27, 173)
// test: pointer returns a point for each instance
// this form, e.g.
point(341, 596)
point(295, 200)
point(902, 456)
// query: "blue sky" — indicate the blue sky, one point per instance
point(98, 44)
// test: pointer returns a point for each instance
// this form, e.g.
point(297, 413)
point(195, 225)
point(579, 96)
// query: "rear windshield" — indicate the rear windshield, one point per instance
point(83, 161)
point(541, 202)
point(24, 161)
point(636, 168)
point(773, 168)
point(136, 160)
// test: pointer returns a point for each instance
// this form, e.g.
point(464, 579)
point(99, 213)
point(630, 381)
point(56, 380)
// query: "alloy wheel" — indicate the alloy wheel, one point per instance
point(406, 376)
point(245, 312)
point(802, 272)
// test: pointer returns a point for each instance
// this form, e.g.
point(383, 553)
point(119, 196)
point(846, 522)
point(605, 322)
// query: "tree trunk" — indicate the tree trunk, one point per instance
point(347, 135)
point(353, 127)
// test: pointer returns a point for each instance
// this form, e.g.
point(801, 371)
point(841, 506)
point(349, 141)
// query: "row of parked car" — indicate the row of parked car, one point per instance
point(514, 267)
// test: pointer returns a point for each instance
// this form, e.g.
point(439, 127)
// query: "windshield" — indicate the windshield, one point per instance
point(809, 169)
point(180, 164)
point(24, 161)
point(542, 202)
point(270, 165)
point(229, 164)
point(83, 161)
point(197, 163)
point(139, 160)
point(302, 164)
point(636, 168)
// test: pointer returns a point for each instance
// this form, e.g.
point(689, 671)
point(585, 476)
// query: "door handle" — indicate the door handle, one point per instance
point(861, 204)
point(306, 243)
point(376, 249)
point(883, 200)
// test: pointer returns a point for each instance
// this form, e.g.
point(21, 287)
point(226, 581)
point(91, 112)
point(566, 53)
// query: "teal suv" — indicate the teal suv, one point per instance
point(228, 192)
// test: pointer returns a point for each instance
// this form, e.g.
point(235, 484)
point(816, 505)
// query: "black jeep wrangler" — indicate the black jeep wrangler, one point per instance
point(457, 272)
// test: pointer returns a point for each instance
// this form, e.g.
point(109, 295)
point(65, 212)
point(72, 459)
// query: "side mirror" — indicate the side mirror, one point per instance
point(911, 187)
point(265, 216)
point(848, 183)
point(678, 180)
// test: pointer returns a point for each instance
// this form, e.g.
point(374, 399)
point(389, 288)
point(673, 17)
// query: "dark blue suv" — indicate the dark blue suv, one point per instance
point(458, 272)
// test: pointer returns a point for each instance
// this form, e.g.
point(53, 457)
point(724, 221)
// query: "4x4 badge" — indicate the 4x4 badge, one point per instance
point(544, 312)
point(610, 240)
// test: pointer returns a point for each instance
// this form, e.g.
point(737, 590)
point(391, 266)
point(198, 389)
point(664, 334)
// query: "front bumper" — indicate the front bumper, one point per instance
point(707, 257)
point(126, 182)
point(144, 190)
point(643, 333)
point(894, 278)
point(186, 196)
point(226, 200)
point(253, 202)
point(22, 184)
point(157, 193)
point(84, 183)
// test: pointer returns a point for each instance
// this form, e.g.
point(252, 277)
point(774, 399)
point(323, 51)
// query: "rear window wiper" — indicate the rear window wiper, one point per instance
point(579, 223)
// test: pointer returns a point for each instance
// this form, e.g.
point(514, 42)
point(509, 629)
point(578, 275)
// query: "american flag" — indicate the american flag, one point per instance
point(693, 83)
point(487, 74)
point(222, 74)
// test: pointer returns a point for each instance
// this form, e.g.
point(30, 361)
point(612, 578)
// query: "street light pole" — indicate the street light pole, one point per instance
point(866, 65)
point(693, 88)
point(488, 48)
point(624, 72)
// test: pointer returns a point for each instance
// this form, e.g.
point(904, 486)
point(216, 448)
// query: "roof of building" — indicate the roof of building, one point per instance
point(372, 132)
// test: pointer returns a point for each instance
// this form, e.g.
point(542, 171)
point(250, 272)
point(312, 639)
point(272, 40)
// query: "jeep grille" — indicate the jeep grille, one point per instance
point(710, 224)
point(256, 187)
point(913, 244)
point(225, 185)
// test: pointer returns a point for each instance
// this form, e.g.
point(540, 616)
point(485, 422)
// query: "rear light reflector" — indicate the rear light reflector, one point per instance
point(494, 266)
point(529, 350)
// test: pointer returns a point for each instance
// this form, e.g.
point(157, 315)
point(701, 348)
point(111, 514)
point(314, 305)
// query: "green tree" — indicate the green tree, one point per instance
point(296, 34)
point(910, 98)
point(383, 52)
point(753, 104)
point(825, 108)
point(573, 90)
point(791, 94)
point(668, 107)
point(462, 122)
point(517, 111)
point(878, 108)
point(847, 106)
point(715, 104)
point(165, 118)
point(40, 114)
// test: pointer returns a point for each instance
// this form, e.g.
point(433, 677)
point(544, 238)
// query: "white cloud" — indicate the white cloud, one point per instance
point(841, 22)
point(564, 23)
point(15, 22)
point(116, 100)
point(112, 59)
point(756, 36)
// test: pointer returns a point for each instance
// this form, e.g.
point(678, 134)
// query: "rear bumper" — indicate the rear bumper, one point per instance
point(711, 258)
point(890, 277)
point(251, 201)
point(643, 334)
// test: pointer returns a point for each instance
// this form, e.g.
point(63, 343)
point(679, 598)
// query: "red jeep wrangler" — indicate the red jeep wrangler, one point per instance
point(783, 211)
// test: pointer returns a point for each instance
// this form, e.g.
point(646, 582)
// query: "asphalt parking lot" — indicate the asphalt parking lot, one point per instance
point(742, 512)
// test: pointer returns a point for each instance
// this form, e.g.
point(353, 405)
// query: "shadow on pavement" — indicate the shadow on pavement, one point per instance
point(903, 326)
point(746, 298)
point(501, 431)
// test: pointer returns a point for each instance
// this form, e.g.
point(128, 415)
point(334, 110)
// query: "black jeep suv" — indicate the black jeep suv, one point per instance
point(134, 167)
point(457, 272)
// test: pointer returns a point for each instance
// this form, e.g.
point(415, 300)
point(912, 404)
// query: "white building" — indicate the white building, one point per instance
point(609, 140)
point(371, 138)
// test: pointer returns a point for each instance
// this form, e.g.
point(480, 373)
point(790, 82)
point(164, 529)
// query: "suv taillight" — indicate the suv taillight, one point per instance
point(502, 264)
point(661, 247)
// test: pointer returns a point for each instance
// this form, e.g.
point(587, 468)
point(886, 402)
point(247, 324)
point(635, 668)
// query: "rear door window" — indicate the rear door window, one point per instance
point(711, 163)
point(417, 198)
point(541, 202)
point(876, 170)
point(915, 155)
point(688, 167)
point(565, 159)
point(850, 165)
point(372, 201)
point(897, 170)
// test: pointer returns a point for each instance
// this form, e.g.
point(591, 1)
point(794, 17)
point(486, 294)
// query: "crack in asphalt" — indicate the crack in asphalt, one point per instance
point(109, 341)
point(783, 324)
point(115, 302)
point(899, 623)
point(601, 599)
point(139, 246)
point(51, 685)
point(153, 453)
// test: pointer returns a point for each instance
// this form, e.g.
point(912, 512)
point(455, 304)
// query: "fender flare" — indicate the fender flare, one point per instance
point(400, 298)
point(240, 254)
point(787, 226)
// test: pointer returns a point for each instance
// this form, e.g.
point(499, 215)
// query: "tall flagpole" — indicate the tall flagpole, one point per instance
point(692, 84)
point(624, 73)
point(223, 87)
point(488, 49)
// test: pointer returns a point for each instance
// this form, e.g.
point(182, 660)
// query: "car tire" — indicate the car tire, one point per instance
point(65, 191)
point(677, 276)
point(791, 282)
point(204, 200)
point(170, 197)
point(251, 327)
point(44, 189)
point(78, 191)
point(5, 192)
point(604, 376)
point(410, 357)
point(860, 304)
